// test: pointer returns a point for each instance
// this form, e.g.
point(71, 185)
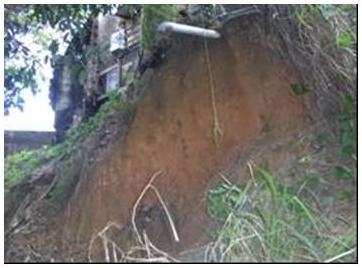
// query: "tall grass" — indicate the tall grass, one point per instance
point(270, 222)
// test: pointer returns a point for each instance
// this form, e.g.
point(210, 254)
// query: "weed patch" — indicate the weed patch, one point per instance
point(152, 16)
point(21, 165)
point(265, 221)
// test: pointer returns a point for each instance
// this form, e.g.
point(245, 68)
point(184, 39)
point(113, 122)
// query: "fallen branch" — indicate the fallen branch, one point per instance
point(134, 210)
point(174, 232)
point(153, 253)
point(102, 234)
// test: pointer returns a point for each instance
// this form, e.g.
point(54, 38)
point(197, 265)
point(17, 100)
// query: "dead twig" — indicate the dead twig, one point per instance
point(102, 234)
point(134, 210)
point(174, 232)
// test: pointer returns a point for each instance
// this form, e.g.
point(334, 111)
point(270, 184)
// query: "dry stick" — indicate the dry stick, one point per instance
point(118, 249)
point(131, 251)
point(210, 254)
point(105, 247)
point(128, 256)
point(101, 234)
point(94, 237)
point(162, 252)
point(145, 238)
point(115, 248)
point(235, 242)
point(224, 178)
point(106, 242)
point(175, 235)
point(250, 163)
point(157, 250)
point(147, 243)
point(134, 210)
point(218, 241)
point(156, 259)
point(115, 257)
point(340, 255)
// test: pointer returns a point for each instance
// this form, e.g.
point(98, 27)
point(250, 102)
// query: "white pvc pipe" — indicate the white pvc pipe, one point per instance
point(168, 26)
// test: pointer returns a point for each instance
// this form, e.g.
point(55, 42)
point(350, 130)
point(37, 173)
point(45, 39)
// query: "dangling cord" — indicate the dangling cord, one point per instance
point(217, 131)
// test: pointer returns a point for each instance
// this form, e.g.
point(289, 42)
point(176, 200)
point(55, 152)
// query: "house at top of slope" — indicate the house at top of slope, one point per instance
point(103, 57)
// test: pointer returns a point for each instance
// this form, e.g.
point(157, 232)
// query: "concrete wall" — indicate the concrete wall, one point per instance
point(19, 140)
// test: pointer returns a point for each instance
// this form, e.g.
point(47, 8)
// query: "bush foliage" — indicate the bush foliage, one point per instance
point(152, 16)
point(21, 165)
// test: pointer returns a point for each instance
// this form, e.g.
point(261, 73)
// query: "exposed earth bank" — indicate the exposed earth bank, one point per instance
point(173, 132)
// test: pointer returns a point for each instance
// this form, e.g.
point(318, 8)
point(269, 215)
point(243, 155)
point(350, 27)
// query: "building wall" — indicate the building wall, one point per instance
point(19, 140)
point(123, 62)
point(74, 100)
point(107, 25)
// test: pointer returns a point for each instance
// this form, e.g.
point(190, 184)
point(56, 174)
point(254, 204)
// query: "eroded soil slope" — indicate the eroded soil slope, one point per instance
point(173, 132)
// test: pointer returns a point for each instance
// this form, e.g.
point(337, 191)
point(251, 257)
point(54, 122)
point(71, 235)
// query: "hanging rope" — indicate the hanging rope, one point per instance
point(217, 131)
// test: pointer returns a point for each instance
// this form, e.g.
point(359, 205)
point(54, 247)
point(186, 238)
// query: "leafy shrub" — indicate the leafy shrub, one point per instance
point(152, 16)
point(115, 103)
point(21, 165)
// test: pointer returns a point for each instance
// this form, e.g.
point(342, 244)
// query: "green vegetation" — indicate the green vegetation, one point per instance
point(347, 168)
point(152, 16)
point(271, 219)
point(319, 41)
point(348, 121)
point(66, 179)
point(341, 17)
point(21, 63)
point(21, 165)
point(223, 199)
point(115, 103)
point(267, 221)
point(299, 89)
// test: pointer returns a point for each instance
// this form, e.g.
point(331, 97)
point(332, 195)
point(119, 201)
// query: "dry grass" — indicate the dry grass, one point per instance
point(144, 250)
point(271, 222)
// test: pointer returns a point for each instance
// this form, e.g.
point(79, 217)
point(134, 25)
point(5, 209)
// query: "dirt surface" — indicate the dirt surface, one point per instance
point(173, 132)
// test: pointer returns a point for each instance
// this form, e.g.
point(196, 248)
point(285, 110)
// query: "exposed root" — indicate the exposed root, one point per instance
point(102, 234)
point(137, 203)
point(173, 228)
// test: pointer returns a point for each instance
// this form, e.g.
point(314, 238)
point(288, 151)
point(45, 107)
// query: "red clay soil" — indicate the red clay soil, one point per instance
point(172, 132)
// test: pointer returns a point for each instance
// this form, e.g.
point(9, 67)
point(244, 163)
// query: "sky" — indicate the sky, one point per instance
point(37, 114)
